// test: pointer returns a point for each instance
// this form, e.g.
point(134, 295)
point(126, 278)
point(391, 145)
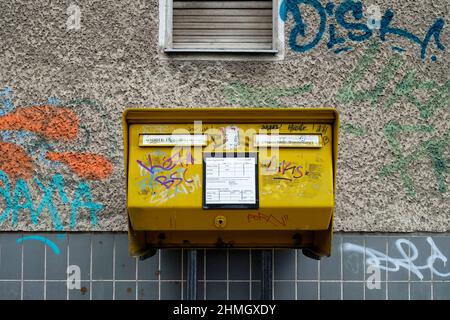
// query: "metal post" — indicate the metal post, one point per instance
point(266, 283)
point(191, 281)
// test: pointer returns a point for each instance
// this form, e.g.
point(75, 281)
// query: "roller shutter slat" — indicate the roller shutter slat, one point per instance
point(256, 46)
point(221, 4)
point(222, 25)
point(222, 12)
point(194, 39)
point(220, 32)
point(229, 25)
point(212, 19)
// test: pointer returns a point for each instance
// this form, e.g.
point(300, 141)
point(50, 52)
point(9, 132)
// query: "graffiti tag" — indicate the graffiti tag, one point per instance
point(357, 30)
point(166, 176)
point(17, 197)
point(408, 252)
point(281, 221)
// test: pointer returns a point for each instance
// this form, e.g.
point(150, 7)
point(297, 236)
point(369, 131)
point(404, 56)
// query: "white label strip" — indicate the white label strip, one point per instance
point(173, 140)
point(291, 140)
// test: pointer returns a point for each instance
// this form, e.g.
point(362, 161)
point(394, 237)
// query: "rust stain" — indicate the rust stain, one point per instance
point(14, 161)
point(86, 165)
point(51, 122)
point(83, 290)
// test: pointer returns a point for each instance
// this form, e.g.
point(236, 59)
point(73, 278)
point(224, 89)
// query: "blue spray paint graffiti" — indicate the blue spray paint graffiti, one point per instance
point(83, 192)
point(44, 240)
point(356, 32)
point(6, 101)
point(20, 199)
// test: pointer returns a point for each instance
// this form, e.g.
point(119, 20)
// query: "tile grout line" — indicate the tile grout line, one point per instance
point(318, 280)
point(67, 267)
point(90, 268)
point(231, 281)
point(295, 275)
point(204, 274)
point(409, 273)
point(432, 273)
point(342, 268)
point(273, 274)
point(0, 251)
point(386, 246)
point(21, 272)
point(159, 274)
point(228, 273)
point(250, 274)
point(45, 272)
point(364, 267)
point(182, 276)
point(136, 267)
point(114, 267)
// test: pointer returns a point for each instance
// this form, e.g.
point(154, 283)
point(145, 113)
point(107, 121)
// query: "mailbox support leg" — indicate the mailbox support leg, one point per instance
point(266, 274)
point(191, 281)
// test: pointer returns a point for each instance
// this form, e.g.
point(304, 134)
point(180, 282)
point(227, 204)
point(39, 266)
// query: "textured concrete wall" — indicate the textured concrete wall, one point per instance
point(63, 92)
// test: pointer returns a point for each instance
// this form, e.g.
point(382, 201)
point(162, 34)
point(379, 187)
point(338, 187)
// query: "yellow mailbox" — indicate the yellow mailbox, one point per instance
point(223, 177)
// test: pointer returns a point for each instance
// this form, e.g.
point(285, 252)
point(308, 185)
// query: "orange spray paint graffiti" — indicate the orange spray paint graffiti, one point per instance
point(48, 121)
point(29, 140)
point(85, 165)
point(14, 161)
point(52, 123)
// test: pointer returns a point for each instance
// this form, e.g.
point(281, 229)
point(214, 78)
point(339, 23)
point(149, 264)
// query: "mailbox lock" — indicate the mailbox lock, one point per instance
point(220, 222)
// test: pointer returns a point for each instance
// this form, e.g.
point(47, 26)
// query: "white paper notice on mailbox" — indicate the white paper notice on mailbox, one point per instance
point(230, 180)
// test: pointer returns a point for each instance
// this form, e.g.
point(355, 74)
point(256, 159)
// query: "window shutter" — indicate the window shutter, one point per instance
point(228, 25)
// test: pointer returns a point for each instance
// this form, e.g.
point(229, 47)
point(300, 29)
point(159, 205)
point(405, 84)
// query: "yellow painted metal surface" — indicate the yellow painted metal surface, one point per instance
point(230, 177)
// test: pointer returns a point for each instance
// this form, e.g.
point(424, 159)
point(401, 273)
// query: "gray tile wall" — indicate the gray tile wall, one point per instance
point(362, 266)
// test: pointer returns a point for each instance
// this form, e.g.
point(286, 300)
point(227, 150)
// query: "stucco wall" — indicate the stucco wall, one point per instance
point(63, 92)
